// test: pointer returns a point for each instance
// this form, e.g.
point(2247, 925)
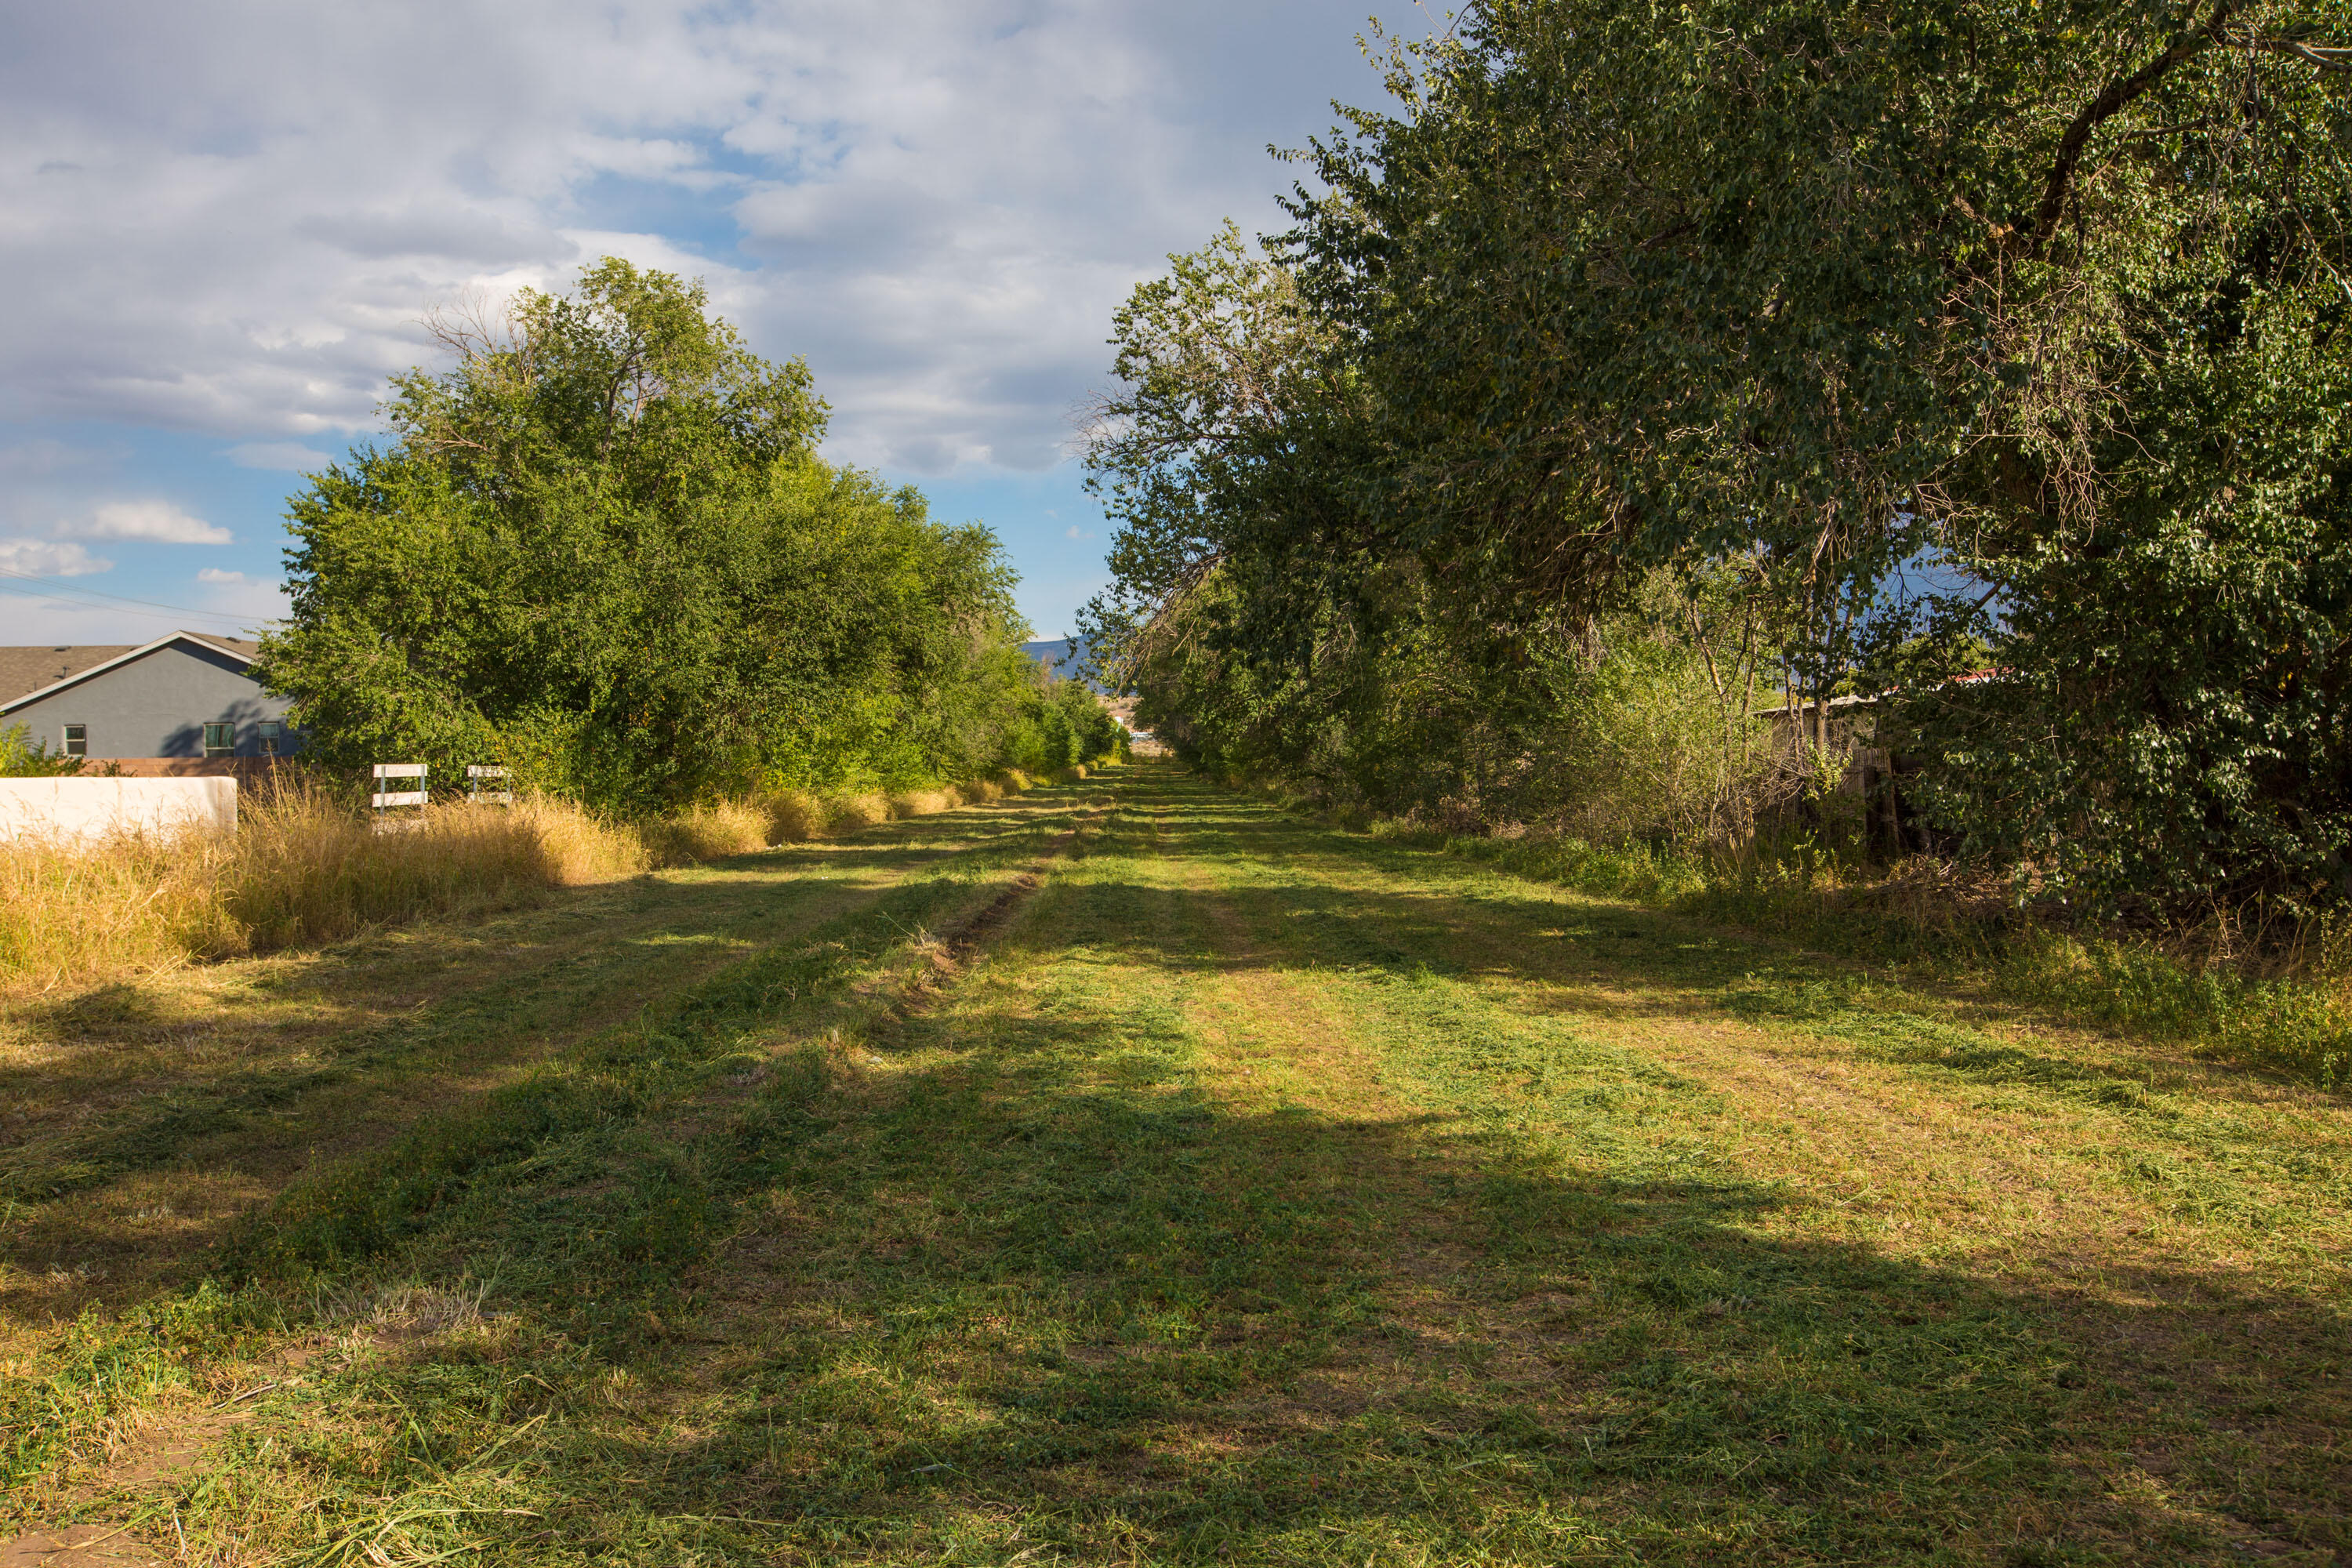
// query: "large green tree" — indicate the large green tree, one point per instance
point(601, 548)
point(1791, 295)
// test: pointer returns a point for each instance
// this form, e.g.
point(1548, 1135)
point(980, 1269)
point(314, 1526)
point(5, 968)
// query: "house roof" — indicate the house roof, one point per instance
point(26, 673)
point(24, 670)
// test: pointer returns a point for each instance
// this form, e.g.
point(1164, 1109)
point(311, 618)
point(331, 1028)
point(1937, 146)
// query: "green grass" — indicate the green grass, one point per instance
point(2301, 1022)
point(1260, 1194)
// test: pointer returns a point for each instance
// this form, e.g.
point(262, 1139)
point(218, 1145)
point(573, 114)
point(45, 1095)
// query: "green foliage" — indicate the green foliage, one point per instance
point(23, 757)
point(1766, 304)
point(602, 551)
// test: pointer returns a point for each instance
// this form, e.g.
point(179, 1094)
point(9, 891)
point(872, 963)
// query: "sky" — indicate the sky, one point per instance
point(222, 224)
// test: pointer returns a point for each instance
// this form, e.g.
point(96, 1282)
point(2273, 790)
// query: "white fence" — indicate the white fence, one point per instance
point(84, 808)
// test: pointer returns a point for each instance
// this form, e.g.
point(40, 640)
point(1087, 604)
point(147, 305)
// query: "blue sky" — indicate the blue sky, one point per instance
point(225, 222)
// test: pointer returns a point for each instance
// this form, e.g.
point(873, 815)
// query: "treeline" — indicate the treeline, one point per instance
point(1637, 371)
point(601, 550)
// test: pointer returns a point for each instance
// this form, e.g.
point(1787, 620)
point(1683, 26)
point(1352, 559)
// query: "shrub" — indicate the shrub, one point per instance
point(23, 757)
point(850, 813)
point(794, 815)
point(710, 831)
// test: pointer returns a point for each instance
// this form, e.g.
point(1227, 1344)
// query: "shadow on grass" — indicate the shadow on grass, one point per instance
point(998, 1282)
point(411, 1023)
point(999, 1307)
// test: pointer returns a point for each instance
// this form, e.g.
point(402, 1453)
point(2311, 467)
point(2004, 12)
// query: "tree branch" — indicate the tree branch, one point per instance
point(2326, 56)
point(2110, 101)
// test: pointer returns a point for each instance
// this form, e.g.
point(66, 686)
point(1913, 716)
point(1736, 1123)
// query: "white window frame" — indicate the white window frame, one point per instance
point(227, 751)
point(72, 745)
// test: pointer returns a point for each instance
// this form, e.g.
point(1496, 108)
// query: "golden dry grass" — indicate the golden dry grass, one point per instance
point(850, 814)
point(300, 869)
point(303, 867)
point(924, 801)
point(583, 849)
point(793, 814)
point(711, 831)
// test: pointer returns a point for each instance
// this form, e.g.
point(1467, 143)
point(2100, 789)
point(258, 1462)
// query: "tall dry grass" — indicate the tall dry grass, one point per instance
point(303, 867)
point(707, 832)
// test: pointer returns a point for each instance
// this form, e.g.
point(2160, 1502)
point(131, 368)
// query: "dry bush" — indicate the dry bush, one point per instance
point(581, 848)
point(924, 801)
point(850, 813)
point(794, 815)
point(708, 832)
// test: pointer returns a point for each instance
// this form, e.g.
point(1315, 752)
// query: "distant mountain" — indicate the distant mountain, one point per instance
point(1055, 655)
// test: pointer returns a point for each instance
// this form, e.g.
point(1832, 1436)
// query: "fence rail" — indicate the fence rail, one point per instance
point(383, 799)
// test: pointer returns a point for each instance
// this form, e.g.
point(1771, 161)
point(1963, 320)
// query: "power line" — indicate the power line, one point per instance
point(99, 599)
point(177, 614)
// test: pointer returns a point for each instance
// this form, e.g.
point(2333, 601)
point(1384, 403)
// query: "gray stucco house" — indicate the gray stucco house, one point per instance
point(185, 697)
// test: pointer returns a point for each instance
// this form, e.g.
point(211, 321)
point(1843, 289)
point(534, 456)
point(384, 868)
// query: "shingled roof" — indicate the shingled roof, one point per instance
point(24, 670)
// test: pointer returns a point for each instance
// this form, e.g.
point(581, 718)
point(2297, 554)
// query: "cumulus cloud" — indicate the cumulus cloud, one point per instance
point(229, 218)
point(215, 575)
point(291, 456)
point(47, 558)
point(158, 522)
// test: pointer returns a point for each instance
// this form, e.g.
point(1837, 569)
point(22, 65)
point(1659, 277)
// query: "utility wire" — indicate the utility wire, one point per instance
point(176, 615)
point(101, 599)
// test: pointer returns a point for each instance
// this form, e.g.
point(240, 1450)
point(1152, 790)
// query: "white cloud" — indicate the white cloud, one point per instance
point(228, 218)
point(44, 558)
point(159, 521)
point(291, 456)
point(251, 601)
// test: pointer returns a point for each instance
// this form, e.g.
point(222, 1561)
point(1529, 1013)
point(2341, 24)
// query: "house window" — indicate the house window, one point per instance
point(220, 740)
point(267, 730)
point(77, 740)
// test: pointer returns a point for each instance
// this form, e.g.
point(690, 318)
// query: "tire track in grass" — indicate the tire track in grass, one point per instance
point(596, 1102)
point(103, 1211)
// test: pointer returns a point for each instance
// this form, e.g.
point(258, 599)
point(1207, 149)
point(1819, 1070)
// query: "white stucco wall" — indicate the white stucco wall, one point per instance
point(91, 808)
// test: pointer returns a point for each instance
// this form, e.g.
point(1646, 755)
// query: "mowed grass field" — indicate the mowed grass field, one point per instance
point(1131, 1172)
